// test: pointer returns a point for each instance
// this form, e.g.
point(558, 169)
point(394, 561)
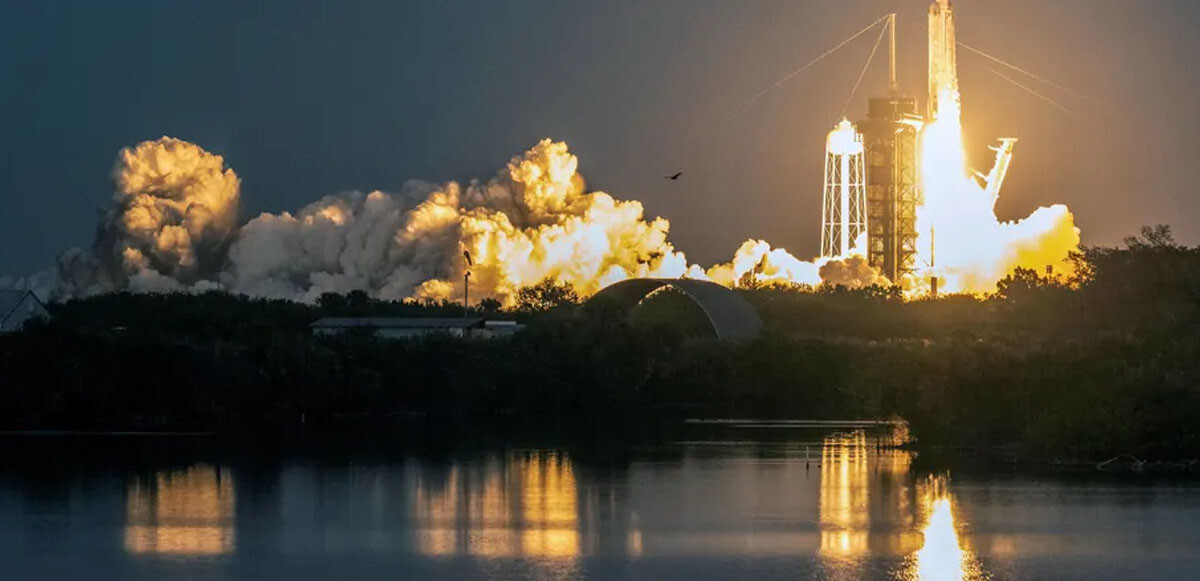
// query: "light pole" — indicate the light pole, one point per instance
point(467, 284)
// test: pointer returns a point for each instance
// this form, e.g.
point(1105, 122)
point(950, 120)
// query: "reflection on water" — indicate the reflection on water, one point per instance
point(870, 505)
point(182, 512)
point(527, 505)
point(841, 508)
point(531, 504)
point(845, 482)
point(940, 558)
point(549, 508)
point(865, 503)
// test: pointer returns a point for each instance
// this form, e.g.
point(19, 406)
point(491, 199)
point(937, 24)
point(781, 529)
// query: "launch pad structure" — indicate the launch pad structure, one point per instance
point(886, 143)
point(890, 136)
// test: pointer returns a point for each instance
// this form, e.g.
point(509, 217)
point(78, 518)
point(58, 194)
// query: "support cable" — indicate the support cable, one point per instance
point(789, 76)
point(864, 71)
point(1027, 73)
point(1030, 90)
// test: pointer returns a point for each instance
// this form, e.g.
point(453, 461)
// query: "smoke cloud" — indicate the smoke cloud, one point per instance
point(531, 221)
point(852, 272)
point(174, 210)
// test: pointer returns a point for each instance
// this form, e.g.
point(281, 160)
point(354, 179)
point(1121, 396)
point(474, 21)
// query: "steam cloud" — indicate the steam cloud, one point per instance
point(533, 220)
point(174, 211)
point(172, 225)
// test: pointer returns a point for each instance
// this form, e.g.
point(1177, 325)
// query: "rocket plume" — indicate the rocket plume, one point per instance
point(957, 228)
point(960, 240)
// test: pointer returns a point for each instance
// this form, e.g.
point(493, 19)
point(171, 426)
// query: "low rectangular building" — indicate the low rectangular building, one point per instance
point(404, 328)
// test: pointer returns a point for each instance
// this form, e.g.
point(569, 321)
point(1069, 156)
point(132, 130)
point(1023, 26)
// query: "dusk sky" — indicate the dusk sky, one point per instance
point(311, 98)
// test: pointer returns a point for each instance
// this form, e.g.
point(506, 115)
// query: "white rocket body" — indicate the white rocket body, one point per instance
point(943, 62)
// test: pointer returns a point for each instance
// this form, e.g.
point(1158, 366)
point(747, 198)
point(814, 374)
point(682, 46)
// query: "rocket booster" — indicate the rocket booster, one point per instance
point(943, 64)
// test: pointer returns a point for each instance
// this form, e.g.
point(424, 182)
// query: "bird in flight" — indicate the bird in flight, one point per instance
point(673, 177)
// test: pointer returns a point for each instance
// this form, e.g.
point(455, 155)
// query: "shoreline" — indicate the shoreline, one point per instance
point(373, 437)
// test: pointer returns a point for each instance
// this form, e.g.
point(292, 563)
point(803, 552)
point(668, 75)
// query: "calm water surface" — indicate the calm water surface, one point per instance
point(829, 508)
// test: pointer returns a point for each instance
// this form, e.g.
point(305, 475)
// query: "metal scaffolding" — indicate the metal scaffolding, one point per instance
point(890, 137)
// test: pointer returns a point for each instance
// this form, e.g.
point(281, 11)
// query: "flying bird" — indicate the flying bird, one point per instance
point(673, 177)
point(467, 255)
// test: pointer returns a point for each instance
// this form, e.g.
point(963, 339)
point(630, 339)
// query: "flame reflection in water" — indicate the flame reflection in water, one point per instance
point(943, 556)
point(870, 506)
point(181, 512)
point(525, 504)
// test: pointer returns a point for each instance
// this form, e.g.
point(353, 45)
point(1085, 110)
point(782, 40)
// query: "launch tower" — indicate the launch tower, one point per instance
point(890, 133)
point(890, 138)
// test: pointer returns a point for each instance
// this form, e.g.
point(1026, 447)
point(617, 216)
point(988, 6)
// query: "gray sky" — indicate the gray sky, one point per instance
point(306, 98)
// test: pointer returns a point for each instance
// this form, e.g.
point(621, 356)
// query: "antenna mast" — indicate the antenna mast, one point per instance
point(892, 86)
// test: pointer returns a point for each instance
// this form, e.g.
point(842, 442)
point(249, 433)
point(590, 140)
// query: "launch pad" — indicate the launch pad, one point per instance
point(890, 138)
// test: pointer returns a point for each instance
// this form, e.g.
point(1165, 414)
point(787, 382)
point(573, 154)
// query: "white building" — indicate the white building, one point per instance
point(18, 306)
point(403, 328)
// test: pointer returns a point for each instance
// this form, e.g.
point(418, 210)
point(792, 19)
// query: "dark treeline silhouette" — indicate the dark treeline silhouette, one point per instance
point(1081, 366)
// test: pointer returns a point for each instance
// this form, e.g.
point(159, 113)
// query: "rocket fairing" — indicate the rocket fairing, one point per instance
point(943, 65)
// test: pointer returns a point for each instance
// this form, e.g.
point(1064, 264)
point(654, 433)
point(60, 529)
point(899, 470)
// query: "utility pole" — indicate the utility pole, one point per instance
point(467, 284)
point(933, 280)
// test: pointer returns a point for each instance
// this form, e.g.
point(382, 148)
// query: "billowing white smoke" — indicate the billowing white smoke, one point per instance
point(852, 272)
point(172, 215)
point(756, 262)
point(534, 220)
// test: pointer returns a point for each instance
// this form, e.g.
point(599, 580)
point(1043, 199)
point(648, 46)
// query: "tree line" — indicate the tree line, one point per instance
point(1084, 366)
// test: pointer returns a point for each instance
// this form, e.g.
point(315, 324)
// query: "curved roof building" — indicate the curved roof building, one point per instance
point(730, 315)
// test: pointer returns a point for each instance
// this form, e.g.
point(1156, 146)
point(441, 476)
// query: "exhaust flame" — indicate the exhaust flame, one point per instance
point(960, 239)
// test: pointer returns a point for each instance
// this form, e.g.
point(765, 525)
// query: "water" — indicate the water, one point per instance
point(829, 508)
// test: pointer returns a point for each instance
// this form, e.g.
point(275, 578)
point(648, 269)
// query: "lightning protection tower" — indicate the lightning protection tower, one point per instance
point(844, 213)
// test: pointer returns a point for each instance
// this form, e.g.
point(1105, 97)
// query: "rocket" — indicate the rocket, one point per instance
point(943, 64)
